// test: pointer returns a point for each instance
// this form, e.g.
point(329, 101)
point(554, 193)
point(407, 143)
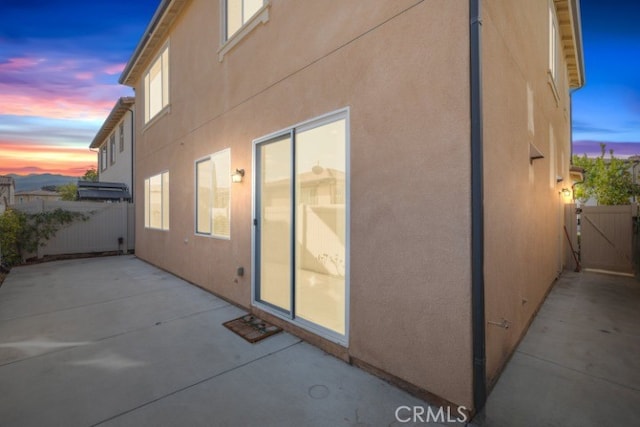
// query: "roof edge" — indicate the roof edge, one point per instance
point(117, 112)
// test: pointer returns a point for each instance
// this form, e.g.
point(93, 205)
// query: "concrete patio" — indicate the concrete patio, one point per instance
point(116, 342)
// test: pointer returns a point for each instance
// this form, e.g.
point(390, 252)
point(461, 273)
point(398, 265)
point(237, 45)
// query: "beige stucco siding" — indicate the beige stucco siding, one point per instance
point(523, 204)
point(401, 67)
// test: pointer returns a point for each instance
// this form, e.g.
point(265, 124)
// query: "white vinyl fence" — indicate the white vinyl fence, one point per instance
point(109, 228)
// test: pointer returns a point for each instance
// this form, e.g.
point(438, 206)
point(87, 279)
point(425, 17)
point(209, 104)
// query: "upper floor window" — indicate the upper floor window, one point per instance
point(238, 12)
point(112, 147)
point(103, 157)
point(156, 86)
point(121, 133)
point(554, 43)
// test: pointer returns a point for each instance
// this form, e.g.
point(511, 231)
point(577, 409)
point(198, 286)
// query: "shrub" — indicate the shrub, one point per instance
point(22, 233)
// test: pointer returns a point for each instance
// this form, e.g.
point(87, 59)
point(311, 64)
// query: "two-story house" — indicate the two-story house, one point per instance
point(378, 177)
point(114, 143)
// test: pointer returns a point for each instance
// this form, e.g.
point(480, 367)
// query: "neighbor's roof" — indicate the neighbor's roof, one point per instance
point(88, 190)
point(37, 193)
point(156, 31)
point(568, 14)
point(122, 106)
point(6, 180)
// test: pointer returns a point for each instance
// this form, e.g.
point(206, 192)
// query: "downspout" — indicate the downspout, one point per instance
point(133, 153)
point(477, 211)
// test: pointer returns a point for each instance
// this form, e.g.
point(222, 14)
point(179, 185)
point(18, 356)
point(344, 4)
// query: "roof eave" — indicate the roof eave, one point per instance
point(154, 34)
point(568, 13)
point(117, 112)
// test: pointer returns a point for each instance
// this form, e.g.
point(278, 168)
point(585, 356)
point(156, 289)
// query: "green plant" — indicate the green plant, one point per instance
point(90, 175)
point(22, 233)
point(608, 181)
point(68, 192)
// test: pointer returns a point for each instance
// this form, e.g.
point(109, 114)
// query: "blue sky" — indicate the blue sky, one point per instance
point(60, 62)
point(607, 108)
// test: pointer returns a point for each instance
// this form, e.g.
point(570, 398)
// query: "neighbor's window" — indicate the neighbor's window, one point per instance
point(121, 130)
point(156, 201)
point(112, 148)
point(213, 189)
point(103, 157)
point(238, 13)
point(156, 86)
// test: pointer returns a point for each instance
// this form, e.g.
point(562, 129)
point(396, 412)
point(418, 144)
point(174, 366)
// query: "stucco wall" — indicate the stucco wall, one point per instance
point(402, 68)
point(523, 205)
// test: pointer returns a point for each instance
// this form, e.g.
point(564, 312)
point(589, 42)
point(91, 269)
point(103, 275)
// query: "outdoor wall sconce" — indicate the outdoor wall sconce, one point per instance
point(566, 192)
point(237, 175)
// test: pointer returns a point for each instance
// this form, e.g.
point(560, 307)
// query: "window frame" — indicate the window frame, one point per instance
point(224, 154)
point(164, 201)
point(112, 149)
point(121, 130)
point(228, 42)
point(165, 86)
point(554, 50)
point(103, 157)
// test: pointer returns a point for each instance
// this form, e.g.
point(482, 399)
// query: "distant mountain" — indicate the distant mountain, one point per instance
point(37, 181)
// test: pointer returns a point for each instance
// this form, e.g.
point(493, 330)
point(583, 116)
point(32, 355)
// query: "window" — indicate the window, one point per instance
point(301, 212)
point(156, 86)
point(213, 190)
point(112, 148)
point(156, 201)
point(103, 157)
point(238, 12)
point(554, 43)
point(121, 130)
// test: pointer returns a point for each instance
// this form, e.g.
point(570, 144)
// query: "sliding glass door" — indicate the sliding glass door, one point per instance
point(301, 224)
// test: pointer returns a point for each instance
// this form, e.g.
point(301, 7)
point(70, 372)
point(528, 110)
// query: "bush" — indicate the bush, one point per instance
point(22, 233)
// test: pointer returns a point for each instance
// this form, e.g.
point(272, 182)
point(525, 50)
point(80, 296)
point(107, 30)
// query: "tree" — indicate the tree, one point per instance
point(90, 175)
point(68, 192)
point(608, 180)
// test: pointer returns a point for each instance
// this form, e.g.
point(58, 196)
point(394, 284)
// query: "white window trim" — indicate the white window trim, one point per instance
point(554, 51)
point(167, 108)
point(260, 17)
point(327, 334)
point(211, 234)
point(147, 209)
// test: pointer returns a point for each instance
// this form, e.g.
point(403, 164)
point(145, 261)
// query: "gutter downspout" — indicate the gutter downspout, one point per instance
point(477, 210)
point(133, 154)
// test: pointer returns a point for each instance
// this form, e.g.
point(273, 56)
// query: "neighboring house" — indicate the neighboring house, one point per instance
point(29, 196)
point(434, 228)
point(7, 192)
point(114, 142)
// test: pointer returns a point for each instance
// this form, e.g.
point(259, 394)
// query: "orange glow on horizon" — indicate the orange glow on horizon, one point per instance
point(24, 159)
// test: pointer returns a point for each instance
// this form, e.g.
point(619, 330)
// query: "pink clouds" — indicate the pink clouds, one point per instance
point(23, 158)
point(114, 69)
point(52, 87)
point(19, 64)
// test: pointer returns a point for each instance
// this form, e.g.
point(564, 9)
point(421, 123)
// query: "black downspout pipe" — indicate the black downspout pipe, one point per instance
point(477, 211)
point(133, 160)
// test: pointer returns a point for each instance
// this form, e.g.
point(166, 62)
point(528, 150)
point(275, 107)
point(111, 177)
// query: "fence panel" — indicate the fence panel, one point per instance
point(109, 228)
point(606, 238)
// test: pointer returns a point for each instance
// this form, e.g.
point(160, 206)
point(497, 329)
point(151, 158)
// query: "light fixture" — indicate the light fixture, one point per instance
point(566, 192)
point(237, 175)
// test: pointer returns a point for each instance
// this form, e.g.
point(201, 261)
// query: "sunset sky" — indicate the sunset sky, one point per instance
point(60, 62)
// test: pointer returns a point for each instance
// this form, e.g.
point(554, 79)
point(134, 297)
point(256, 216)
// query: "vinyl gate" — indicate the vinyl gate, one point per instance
point(606, 238)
